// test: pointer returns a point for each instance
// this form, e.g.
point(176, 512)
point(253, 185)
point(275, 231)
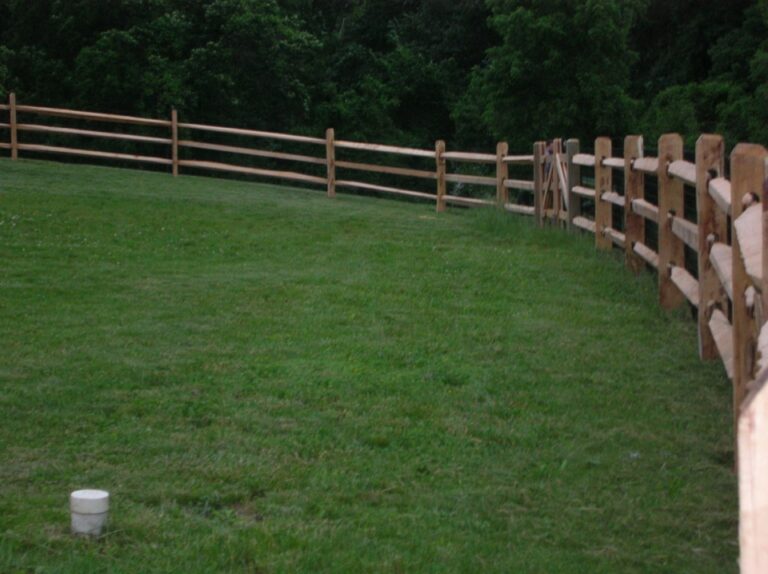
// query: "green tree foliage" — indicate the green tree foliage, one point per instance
point(407, 71)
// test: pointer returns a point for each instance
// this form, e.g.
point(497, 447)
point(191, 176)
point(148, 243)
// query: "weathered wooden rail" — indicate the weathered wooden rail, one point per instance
point(727, 285)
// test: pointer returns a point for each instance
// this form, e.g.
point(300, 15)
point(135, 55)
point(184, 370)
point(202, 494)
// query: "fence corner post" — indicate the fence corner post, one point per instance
point(502, 174)
point(14, 126)
point(175, 141)
point(330, 160)
point(634, 188)
point(574, 179)
point(440, 174)
point(603, 184)
point(538, 182)
point(712, 224)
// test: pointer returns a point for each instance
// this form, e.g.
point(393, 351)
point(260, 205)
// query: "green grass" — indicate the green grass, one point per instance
point(267, 380)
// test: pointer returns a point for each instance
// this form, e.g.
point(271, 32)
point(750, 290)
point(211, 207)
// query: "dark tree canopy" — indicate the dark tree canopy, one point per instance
point(405, 71)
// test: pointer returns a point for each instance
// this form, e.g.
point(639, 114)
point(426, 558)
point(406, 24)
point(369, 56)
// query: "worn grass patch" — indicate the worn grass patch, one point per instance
point(267, 380)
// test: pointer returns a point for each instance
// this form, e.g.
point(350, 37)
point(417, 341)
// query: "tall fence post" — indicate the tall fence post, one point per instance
point(502, 174)
point(538, 182)
point(671, 249)
point(748, 172)
point(14, 126)
point(603, 184)
point(175, 141)
point(713, 227)
point(330, 160)
point(574, 179)
point(440, 174)
point(634, 188)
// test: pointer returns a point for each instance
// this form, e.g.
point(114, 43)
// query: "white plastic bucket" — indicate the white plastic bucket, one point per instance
point(89, 511)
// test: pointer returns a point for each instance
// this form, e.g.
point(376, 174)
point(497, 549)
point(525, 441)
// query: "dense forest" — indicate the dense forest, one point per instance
point(403, 71)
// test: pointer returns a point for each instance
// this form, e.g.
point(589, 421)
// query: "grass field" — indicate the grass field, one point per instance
point(267, 380)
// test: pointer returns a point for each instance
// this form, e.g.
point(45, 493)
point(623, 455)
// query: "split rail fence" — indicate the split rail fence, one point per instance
point(726, 284)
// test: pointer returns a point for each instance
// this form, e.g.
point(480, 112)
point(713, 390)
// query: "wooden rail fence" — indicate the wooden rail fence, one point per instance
point(727, 285)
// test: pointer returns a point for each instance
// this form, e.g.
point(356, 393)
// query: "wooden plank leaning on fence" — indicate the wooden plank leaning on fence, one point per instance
point(671, 201)
point(603, 184)
point(502, 174)
point(747, 176)
point(634, 188)
point(574, 179)
point(713, 227)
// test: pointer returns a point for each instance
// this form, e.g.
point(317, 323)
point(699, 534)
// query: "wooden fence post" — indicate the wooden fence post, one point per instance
point(713, 227)
point(440, 174)
point(603, 184)
point(748, 173)
point(502, 174)
point(14, 128)
point(175, 141)
point(574, 179)
point(330, 160)
point(671, 249)
point(634, 188)
point(538, 182)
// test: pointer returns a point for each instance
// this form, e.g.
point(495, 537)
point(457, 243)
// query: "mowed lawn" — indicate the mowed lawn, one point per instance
point(267, 380)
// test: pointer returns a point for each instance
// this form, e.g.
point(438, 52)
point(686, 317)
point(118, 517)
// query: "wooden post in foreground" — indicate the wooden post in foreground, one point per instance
point(14, 128)
point(574, 179)
point(634, 188)
point(502, 173)
point(603, 184)
point(175, 141)
point(671, 249)
point(748, 174)
point(330, 160)
point(440, 174)
point(713, 227)
point(538, 182)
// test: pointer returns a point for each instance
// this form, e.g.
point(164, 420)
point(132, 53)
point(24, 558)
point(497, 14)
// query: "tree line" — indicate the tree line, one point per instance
point(403, 71)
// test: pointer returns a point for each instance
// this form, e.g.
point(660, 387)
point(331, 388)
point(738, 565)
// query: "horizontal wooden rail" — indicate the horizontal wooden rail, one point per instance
point(614, 162)
point(91, 133)
point(645, 209)
point(617, 237)
point(587, 192)
point(722, 333)
point(5, 145)
point(4, 126)
point(686, 230)
point(92, 116)
point(584, 159)
point(613, 198)
point(721, 257)
point(521, 209)
point(93, 153)
point(720, 190)
point(4, 107)
point(584, 223)
point(252, 152)
point(522, 184)
point(471, 179)
point(646, 254)
point(649, 165)
point(468, 200)
point(363, 146)
point(252, 133)
point(683, 170)
point(373, 187)
point(469, 157)
point(517, 159)
point(217, 166)
point(686, 283)
point(386, 169)
point(749, 230)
